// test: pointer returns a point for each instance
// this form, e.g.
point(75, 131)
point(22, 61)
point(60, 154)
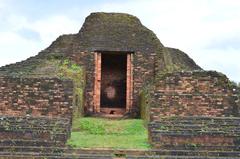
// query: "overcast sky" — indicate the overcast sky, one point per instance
point(207, 30)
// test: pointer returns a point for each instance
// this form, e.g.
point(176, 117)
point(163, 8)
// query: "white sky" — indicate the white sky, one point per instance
point(207, 30)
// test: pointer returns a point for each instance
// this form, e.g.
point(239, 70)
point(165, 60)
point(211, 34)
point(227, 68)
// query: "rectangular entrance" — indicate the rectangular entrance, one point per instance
point(113, 82)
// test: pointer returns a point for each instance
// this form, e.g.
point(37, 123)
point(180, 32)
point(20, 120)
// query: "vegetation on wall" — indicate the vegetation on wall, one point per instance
point(55, 65)
point(74, 72)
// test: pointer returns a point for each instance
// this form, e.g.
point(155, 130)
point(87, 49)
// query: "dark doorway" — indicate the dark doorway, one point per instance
point(113, 80)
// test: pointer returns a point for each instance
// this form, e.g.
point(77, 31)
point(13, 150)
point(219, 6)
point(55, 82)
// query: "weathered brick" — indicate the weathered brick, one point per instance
point(28, 96)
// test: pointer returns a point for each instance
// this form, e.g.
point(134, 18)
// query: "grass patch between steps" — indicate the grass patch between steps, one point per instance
point(106, 133)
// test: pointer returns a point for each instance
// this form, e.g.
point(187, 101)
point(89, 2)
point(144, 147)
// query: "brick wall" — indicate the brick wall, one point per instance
point(195, 132)
point(143, 72)
point(193, 110)
point(34, 131)
point(194, 94)
point(35, 96)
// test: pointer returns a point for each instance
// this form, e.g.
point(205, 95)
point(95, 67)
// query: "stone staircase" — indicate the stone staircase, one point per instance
point(41, 138)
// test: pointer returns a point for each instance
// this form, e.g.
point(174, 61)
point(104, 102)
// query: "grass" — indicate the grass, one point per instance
point(105, 133)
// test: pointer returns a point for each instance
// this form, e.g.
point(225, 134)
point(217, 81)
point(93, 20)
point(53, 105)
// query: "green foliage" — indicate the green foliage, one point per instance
point(69, 70)
point(72, 71)
point(97, 132)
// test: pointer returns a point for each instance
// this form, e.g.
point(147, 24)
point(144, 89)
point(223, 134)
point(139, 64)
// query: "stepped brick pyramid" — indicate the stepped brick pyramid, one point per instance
point(115, 67)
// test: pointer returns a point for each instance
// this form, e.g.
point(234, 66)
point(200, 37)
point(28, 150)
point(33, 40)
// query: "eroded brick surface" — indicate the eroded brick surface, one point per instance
point(35, 97)
point(194, 109)
point(194, 94)
point(34, 131)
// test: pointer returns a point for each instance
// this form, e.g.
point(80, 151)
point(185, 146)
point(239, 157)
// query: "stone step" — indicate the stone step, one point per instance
point(40, 129)
point(35, 142)
point(71, 150)
point(193, 124)
point(203, 130)
point(39, 149)
point(88, 156)
point(197, 119)
point(198, 153)
point(195, 132)
point(200, 118)
point(30, 118)
point(181, 123)
point(57, 151)
point(192, 133)
point(37, 122)
point(33, 136)
point(208, 148)
point(109, 116)
point(55, 155)
point(30, 125)
point(30, 156)
point(180, 126)
point(178, 157)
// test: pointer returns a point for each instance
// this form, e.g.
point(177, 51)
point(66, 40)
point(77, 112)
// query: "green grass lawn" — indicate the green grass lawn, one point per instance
point(106, 133)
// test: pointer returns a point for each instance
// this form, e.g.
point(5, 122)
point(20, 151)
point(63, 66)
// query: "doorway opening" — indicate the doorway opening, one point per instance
point(113, 81)
point(113, 85)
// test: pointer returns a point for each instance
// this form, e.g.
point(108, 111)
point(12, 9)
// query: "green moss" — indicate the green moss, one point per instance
point(72, 71)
